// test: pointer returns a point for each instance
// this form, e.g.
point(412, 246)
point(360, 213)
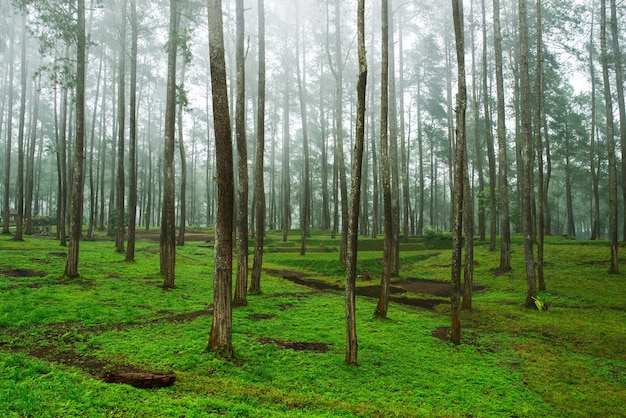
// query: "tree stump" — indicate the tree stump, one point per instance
point(143, 380)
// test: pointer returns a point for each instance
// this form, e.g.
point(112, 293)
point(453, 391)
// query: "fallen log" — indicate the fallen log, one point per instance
point(143, 380)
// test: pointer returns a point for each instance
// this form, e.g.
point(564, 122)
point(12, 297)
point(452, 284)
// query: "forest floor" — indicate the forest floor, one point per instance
point(59, 338)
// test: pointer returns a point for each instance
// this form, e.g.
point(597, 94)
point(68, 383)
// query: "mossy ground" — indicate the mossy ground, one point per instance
point(58, 336)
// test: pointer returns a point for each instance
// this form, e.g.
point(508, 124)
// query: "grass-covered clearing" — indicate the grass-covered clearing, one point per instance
point(58, 336)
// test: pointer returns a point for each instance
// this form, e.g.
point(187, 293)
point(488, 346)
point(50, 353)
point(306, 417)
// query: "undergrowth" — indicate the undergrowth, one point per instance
point(58, 336)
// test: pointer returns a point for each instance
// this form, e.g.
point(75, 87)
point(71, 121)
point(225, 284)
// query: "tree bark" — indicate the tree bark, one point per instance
point(383, 296)
point(610, 140)
point(355, 193)
point(526, 183)
point(132, 152)
point(539, 108)
point(121, 133)
point(76, 208)
point(183, 163)
point(220, 340)
point(459, 169)
point(259, 183)
point(168, 221)
point(241, 284)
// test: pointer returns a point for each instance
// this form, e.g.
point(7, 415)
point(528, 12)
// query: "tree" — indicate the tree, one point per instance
point(259, 186)
point(383, 296)
point(459, 169)
point(76, 207)
point(610, 141)
point(505, 233)
point(220, 340)
point(619, 80)
point(538, 118)
point(121, 134)
point(19, 227)
point(355, 193)
point(132, 152)
point(168, 221)
point(6, 202)
point(241, 284)
point(527, 152)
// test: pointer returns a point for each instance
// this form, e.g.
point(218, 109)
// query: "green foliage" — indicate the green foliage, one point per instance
point(512, 361)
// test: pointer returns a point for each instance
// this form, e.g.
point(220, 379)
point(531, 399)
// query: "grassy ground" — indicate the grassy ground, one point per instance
point(57, 337)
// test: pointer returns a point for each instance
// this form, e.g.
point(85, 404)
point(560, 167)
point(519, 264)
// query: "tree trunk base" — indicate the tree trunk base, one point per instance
point(143, 380)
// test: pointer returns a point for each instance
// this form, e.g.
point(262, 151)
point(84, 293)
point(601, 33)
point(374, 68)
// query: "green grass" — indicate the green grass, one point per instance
point(568, 361)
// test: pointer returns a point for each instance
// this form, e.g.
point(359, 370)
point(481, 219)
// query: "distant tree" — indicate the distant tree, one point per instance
point(220, 340)
point(539, 106)
point(459, 169)
point(355, 192)
point(610, 141)
point(6, 202)
point(19, 224)
point(76, 207)
point(168, 221)
point(259, 186)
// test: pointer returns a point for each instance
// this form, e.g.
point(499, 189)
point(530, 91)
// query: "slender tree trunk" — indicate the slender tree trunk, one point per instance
point(383, 297)
point(241, 284)
point(406, 203)
point(491, 158)
point(305, 216)
point(220, 340)
point(19, 227)
point(76, 208)
point(93, 188)
point(355, 193)
point(121, 112)
point(595, 221)
point(183, 166)
point(30, 173)
point(610, 134)
point(168, 218)
point(619, 80)
point(6, 210)
point(132, 152)
point(541, 197)
point(459, 168)
point(286, 178)
point(526, 183)
point(259, 183)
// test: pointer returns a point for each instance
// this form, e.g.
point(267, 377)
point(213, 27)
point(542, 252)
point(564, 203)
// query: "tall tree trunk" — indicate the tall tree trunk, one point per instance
point(355, 193)
point(459, 168)
point(619, 80)
point(76, 207)
point(610, 135)
point(491, 158)
point(132, 152)
point(183, 165)
point(6, 209)
point(30, 171)
point(305, 215)
point(121, 133)
point(259, 183)
point(595, 221)
point(406, 203)
point(286, 177)
point(539, 109)
point(526, 183)
point(93, 188)
point(375, 169)
point(168, 218)
point(324, 162)
point(383, 297)
point(19, 227)
point(341, 165)
point(393, 153)
point(220, 340)
point(241, 284)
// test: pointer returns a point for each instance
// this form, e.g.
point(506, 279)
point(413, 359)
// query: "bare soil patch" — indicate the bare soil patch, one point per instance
point(21, 272)
point(398, 291)
point(295, 345)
